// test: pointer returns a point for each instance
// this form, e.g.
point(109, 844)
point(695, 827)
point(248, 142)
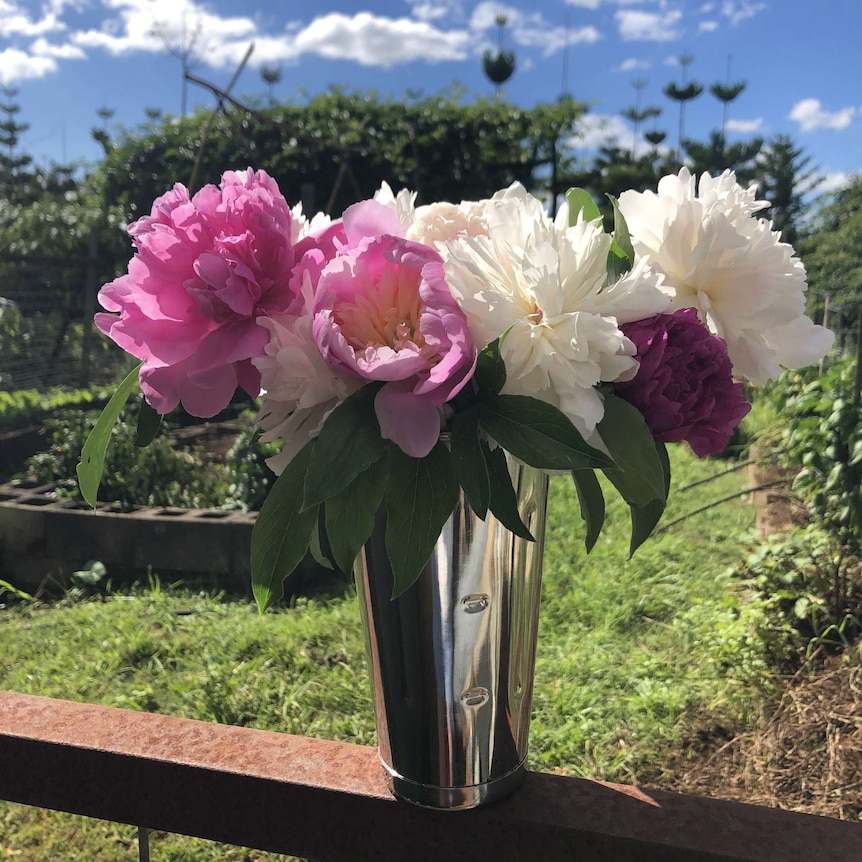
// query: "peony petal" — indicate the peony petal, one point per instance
point(410, 421)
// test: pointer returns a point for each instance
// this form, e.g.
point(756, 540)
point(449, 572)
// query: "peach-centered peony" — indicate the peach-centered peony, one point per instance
point(383, 311)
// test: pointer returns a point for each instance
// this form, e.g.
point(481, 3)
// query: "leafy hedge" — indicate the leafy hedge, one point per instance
point(809, 580)
point(338, 147)
point(30, 406)
point(162, 474)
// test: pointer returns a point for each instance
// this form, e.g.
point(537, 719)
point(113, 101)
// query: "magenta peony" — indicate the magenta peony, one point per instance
point(204, 270)
point(383, 311)
point(684, 386)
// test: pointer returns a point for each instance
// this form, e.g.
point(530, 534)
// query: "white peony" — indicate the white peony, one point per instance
point(300, 388)
point(403, 204)
point(747, 285)
point(301, 226)
point(545, 286)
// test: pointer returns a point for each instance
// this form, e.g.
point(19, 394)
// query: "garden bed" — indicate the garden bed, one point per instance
point(47, 538)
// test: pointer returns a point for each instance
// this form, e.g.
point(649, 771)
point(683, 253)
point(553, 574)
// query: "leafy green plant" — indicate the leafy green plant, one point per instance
point(160, 475)
point(825, 436)
point(28, 406)
point(246, 473)
point(810, 581)
point(810, 591)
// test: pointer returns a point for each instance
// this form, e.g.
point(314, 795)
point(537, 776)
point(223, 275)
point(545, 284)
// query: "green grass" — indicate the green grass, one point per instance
point(634, 657)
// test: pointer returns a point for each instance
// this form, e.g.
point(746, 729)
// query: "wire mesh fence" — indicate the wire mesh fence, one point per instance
point(47, 337)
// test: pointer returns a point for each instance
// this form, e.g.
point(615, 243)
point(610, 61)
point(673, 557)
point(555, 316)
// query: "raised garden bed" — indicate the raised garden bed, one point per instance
point(43, 539)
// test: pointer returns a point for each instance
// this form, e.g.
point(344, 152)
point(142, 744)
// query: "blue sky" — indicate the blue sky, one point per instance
point(801, 59)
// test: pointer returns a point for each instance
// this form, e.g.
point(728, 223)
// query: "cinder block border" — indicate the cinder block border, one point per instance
point(43, 537)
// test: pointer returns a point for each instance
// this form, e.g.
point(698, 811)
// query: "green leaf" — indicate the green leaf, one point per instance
point(470, 463)
point(646, 517)
point(592, 503)
point(420, 497)
point(350, 514)
point(348, 444)
point(617, 265)
point(580, 200)
point(282, 532)
point(504, 501)
point(315, 547)
point(6, 587)
point(92, 464)
point(538, 434)
point(639, 474)
point(149, 423)
point(644, 520)
point(490, 375)
point(661, 449)
point(622, 245)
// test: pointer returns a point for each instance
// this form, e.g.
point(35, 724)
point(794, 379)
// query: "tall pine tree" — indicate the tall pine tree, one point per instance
point(785, 176)
point(683, 94)
point(14, 179)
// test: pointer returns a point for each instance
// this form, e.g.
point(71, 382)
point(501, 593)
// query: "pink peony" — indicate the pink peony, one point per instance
point(383, 311)
point(204, 270)
point(684, 386)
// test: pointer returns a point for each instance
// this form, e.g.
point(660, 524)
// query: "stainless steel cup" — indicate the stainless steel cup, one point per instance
point(452, 658)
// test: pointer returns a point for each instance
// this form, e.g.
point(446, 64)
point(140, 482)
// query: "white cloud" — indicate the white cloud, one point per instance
point(17, 65)
point(707, 26)
point(530, 30)
point(14, 22)
point(633, 64)
point(594, 4)
point(555, 39)
point(745, 127)
point(432, 10)
point(42, 48)
point(810, 115)
point(57, 7)
point(833, 181)
point(598, 129)
point(635, 25)
point(374, 41)
point(179, 22)
point(737, 11)
point(429, 11)
point(363, 38)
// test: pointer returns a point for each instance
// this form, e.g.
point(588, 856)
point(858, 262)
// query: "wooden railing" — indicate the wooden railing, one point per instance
point(329, 800)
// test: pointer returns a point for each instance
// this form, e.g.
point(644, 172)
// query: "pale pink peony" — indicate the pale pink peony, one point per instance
point(204, 270)
point(383, 311)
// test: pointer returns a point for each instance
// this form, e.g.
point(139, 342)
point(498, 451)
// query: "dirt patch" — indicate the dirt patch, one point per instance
point(805, 756)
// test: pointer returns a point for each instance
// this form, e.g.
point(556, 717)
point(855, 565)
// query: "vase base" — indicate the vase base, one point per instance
point(454, 798)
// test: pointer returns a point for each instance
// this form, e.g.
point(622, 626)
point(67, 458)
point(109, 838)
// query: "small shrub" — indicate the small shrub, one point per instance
point(159, 475)
point(809, 589)
point(822, 439)
point(29, 406)
point(246, 473)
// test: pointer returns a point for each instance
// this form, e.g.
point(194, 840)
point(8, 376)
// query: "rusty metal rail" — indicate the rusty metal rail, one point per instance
point(329, 801)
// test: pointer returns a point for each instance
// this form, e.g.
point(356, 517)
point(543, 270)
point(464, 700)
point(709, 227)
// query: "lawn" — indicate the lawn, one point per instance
point(613, 699)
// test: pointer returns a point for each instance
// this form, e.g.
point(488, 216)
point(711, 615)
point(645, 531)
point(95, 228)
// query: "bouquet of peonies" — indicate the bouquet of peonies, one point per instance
point(402, 351)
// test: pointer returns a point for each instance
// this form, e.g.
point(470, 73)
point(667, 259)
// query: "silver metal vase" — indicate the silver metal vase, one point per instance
point(452, 658)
